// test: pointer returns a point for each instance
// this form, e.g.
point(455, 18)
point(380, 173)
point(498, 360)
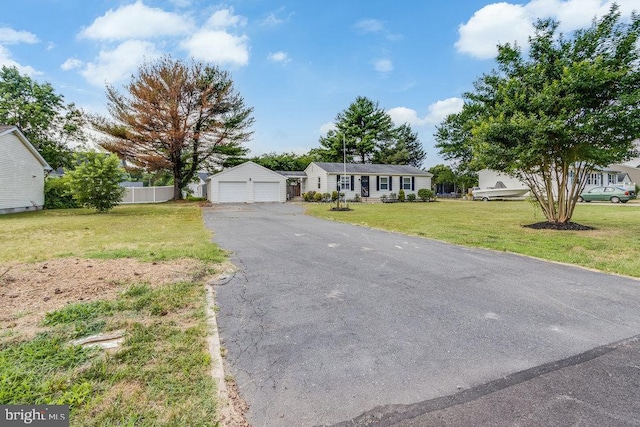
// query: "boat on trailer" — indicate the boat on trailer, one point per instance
point(499, 192)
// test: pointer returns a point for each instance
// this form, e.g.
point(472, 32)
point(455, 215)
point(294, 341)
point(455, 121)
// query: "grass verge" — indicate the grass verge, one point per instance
point(160, 375)
point(612, 247)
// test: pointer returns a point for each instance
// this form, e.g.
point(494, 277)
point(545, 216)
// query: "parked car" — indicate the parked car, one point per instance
point(606, 194)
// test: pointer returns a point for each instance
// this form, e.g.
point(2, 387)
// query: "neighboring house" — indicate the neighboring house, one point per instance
point(22, 172)
point(364, 180)
point(631, 168)
point(614, 175)
point(247, 183)
point(199, 187)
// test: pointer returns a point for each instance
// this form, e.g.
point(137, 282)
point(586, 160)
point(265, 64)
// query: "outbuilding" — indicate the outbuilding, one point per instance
point(247, 183)
point(22, 172)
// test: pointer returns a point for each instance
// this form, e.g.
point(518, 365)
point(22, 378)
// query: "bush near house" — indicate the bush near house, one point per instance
point(57, 195)
point(411, 197)
point(401, 196)
point(425, 194)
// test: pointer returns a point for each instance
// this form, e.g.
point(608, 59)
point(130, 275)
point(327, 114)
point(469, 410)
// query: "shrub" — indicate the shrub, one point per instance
point(393, 196)
point(95, 182)
point(411, 197)
point(401, 195)
point(317, 197)
point(425, 194)
point(356, 198)
point(334, 196)
point(57, 195)
point(326, 197)
point(309, 196)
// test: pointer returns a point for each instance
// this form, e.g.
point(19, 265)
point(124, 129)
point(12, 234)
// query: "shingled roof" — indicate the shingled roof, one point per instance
point(372, 169)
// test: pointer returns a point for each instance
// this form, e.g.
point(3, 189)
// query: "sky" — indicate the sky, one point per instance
point(298, 63)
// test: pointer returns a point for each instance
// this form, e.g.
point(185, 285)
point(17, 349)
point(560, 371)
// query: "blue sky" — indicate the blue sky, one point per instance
point(297, 63)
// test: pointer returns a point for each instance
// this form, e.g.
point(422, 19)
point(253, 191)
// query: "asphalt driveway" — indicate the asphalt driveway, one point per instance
point(326, 321)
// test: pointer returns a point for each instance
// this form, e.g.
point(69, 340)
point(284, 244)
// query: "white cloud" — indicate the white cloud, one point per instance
point(218, 46)
point(505, 22)
point(116, 65)
point(71, 64)
point(136, 21)
point(436, 113)
point(224, 18)
point(272, 20)
point(327, 127)
point(282, 57)
point(213, 43)
point(367, 26)
point(493, 24)
point(383, 66)
point(374, 26)
point(11, 36)
point(401, 115)
point(7, 61)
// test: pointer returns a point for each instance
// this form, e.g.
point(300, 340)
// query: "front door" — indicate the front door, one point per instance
point(364, 186)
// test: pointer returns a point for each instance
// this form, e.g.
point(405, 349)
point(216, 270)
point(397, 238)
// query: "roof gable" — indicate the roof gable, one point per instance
point(5, 130)
point(370, 169)
point(245, 165)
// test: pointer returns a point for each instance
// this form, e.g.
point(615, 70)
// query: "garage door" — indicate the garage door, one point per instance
point(266, 191)
point(233, 191)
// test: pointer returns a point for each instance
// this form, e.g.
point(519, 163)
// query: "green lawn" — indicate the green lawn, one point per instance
point(148, 232)
point(161, 375)
point(614, 245)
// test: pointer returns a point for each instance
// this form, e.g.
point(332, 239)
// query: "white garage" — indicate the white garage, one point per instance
point(247, 183)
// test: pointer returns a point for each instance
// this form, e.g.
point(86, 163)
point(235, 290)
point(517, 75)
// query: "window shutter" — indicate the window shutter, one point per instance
point(390, 181)
point(353, 188)
point(401, 183)
point(377, 183)
point(413, 183)
point(338, 183)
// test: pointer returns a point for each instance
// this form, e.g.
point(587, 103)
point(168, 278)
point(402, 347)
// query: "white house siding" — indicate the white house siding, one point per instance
point(314, 173)
point(21, 176)
point(247, 183)
point(332, 181)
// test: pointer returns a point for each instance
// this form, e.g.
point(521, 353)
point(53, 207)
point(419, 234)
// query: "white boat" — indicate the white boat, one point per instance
point(499, 192)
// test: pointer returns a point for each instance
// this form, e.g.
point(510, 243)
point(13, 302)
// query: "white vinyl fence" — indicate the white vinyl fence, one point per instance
point(147, 194)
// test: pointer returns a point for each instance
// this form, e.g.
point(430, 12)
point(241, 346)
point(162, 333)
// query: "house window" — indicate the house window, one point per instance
point(406, 183)
point(593, 179)
point(345, 183)
point(318, 182)
point(384, 183)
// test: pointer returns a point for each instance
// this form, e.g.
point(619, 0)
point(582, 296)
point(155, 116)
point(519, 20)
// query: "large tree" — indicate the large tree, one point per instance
point(366, 134)
point(52, 126)
point(403, 148)
point(285, 161)
point(553, 116)
point(179, 117)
